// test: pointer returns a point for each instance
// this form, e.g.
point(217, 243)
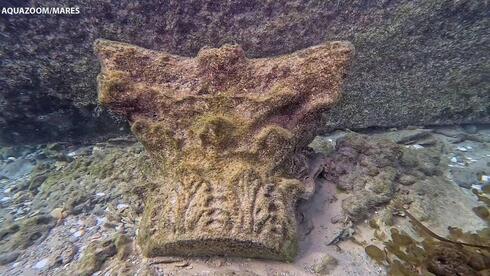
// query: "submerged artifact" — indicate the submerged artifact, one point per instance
point(228, 135)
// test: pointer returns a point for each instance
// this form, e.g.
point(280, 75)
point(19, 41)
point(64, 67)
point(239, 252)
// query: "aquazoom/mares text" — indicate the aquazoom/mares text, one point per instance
point(40, 10)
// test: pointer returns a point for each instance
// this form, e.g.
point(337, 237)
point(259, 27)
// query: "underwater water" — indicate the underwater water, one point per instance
point(244, 137)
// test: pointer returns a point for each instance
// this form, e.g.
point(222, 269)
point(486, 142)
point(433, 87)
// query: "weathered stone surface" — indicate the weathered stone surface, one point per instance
point(418, 62)
point(227, 133)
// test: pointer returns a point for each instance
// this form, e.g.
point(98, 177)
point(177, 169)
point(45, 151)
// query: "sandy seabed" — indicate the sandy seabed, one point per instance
point(68, 208)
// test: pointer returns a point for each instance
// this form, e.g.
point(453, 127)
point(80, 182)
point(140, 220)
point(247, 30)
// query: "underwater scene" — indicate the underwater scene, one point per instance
point(245, 137)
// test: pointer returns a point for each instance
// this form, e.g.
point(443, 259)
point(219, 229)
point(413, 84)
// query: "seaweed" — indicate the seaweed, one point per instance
point(461, 253)
point(375, 253)
point(434, 235)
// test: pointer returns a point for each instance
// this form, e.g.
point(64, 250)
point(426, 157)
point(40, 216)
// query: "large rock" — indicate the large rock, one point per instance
point(227, 136)
point(418, 62)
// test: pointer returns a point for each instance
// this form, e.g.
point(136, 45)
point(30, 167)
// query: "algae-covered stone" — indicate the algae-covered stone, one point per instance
point(418, 62)
point(26, 232)
point(8, 257)
point(94, 256)
point(226, 134)
point(370, 169)
point(325, 265)
point(123, 246)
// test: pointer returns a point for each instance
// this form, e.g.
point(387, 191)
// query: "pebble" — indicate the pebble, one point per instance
point(79, 233)
point(407, 179)
point(68, 254)
point(416, 146)
point(122, 206)
point(5, 199)
point(461, 148)
point(101, 220)
point(57, 213)
point(476, 187)
point(454, 159)
point(325, 265)
point(41, 264)
point(90, 221)
point(485, 178)
point(337, 218)
point(100, 194)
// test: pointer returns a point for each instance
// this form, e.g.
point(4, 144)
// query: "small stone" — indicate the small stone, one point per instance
point(325, 265)
point(461, 148)
point(454, 159)
point(90, 221)
point(5, 199)
point(123, 246)
point(485, 178)
point(464, 177)
point(79, 233)
point(42, 264)
point(337, 218)
point(109, 225)
point(9, 257)
point(57, 213)
point(407, 179)
point(36, 181)
point(95, 255)
point(98, 211)
point(55, 146)
point(476, 187)
point(416, 146)
point(481, 211)
point(122, 206)
point(486, 189)
point(55, 261)
point(68, 254)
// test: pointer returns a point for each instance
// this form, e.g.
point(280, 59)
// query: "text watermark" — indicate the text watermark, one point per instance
point(39, 10)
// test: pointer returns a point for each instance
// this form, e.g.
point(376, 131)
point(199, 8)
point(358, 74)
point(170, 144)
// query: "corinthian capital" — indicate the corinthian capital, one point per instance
point(227, 133)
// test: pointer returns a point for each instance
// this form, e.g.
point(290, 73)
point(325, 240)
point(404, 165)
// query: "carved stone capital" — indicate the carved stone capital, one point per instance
point(227, 133)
